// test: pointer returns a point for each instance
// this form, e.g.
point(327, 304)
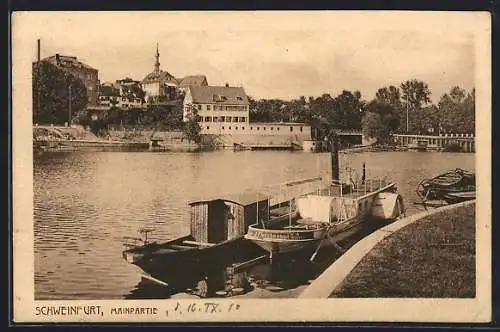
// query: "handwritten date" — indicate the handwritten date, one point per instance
point(204, 307)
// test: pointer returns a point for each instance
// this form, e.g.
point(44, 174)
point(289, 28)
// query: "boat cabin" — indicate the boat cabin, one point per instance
point(221, 219)
point(326, 209)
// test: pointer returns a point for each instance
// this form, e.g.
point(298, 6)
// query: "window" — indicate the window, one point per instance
point(222, 127)
point(199, 107)
point(242, 128)
point(300, 129)
point(221, 120)
point(258, 128)
point(239, 98)
point(236, 128)
point(243, 119)
point(229, 128)
point(208, 119)
point(208, 127)
point(251, 128)
point(228, 119)
point(278, 128)
point(291, 128)
point(208, 107)
point(235, 119)
point(263, 128)
point(271, 128)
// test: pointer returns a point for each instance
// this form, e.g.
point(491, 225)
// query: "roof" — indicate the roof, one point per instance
point(219, 94)
point(243, 199)
point(161, 76)
point(194, 80)
point(68, 60)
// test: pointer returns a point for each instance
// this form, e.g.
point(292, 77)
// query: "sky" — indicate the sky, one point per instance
point(271, 54)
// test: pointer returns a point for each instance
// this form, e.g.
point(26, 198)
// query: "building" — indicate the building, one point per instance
point(159, 85)
point(88, 75)
point(124, 94)
point(217, 105)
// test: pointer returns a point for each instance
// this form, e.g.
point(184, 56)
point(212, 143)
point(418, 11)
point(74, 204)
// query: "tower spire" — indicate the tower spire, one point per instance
point(157, 63)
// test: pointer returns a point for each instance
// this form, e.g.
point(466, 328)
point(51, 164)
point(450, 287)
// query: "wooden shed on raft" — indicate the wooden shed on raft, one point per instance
point(221, 219)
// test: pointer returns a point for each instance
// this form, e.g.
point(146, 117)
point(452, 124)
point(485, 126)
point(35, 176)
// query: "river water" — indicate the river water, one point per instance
point(86, 202)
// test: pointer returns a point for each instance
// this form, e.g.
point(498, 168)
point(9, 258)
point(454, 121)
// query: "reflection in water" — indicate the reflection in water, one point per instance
point(86, 202)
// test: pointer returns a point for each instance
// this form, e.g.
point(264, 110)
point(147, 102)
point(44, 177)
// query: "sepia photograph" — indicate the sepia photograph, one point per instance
point(251, 166)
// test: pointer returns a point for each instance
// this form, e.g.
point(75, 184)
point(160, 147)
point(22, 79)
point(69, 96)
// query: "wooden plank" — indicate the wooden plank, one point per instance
point(158, 281)
point(201, 244)
point(237, 267)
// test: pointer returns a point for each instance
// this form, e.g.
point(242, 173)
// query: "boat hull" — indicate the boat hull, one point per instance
point(281, 240)
point(170, 265)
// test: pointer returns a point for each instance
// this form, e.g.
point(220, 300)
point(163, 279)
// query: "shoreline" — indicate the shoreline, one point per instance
point(345, 272)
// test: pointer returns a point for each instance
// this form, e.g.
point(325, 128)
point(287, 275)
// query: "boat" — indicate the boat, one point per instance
point(419, 145)
point(217, 227)
point(457, 197)
point(336, 212)
point(328, 217)
point(451, 186)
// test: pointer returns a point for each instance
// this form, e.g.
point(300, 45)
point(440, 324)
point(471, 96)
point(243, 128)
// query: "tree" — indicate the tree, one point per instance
point(192, 128)
point(389, 95)
point(457, 111)
point(415, 95)
point(348, 106)
point(380, 121)
point(55, 85)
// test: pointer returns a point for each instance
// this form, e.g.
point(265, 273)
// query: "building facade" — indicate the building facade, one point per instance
point(88, 75)
point(222, 105)
point(124, 94)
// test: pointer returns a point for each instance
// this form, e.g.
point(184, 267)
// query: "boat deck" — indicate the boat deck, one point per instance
point(356, 192)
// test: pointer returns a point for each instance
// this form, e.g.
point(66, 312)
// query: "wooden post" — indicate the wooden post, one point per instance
point(363, 178)
point(69, 106)
point(335, 158)
point(37, 114)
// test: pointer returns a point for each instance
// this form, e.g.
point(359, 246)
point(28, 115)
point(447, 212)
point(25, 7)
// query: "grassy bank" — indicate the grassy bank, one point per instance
point(432, 258)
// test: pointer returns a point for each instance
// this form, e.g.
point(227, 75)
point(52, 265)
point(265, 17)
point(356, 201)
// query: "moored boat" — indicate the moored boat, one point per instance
point(216, 235)
point(453, 185)
point(328, 217)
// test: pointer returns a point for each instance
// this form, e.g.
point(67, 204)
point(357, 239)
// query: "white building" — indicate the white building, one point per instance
point(217, 104)
point(159, 85)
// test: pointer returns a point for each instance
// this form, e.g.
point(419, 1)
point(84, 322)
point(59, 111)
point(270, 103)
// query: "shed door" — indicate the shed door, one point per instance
point(217, 222)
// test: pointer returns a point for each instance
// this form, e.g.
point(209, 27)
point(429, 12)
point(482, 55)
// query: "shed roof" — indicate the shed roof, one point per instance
point(243, 199)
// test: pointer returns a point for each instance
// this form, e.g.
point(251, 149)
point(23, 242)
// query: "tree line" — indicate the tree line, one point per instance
point(406, 108)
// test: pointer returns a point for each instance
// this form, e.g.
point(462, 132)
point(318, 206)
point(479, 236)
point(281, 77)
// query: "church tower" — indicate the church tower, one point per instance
point(157, 63)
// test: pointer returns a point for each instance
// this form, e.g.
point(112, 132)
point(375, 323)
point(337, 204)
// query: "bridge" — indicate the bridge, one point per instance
point(467, 142)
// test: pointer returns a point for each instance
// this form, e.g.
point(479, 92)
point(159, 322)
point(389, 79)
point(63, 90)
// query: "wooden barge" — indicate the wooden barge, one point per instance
point(217, 227)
